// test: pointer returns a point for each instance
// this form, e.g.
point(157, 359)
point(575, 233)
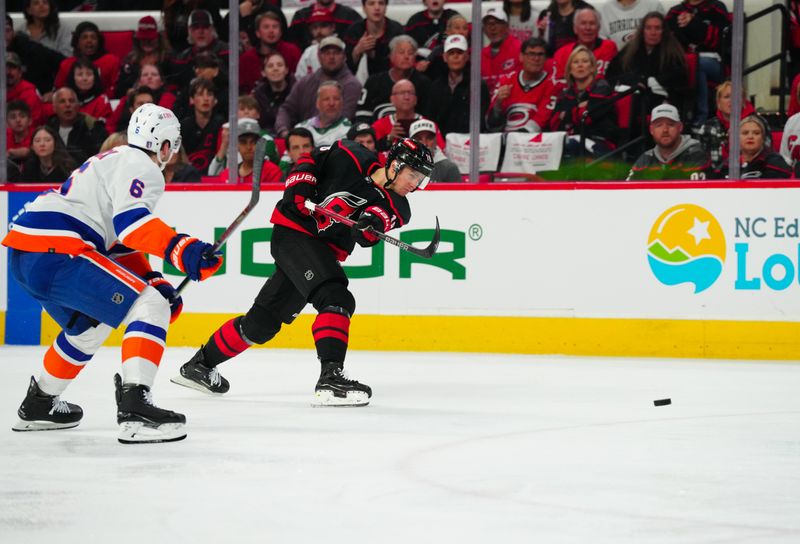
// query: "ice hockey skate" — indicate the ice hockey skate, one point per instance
point(334, 388)
point(42, 412)
point(140, 420)
point(196, 375)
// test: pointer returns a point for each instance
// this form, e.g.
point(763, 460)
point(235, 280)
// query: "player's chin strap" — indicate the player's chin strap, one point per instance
point(398, 169)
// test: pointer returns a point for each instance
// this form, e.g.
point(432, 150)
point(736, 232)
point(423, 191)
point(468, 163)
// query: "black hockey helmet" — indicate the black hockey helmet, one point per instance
point(414, 154)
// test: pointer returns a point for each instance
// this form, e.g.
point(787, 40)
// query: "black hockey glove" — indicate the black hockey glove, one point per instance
point(361, 235)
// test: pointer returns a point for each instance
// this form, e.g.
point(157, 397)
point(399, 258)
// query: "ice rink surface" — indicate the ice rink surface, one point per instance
point(455, 448)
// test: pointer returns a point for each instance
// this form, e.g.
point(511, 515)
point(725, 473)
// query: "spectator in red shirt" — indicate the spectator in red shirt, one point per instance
point(19, 89)
point(300, 32)
point(557, 23)
point(88, 43)
point(524, 101)
point(501, 57)
point(84, 79)
point(269, 40)
point(19, 131)
point(587, 30)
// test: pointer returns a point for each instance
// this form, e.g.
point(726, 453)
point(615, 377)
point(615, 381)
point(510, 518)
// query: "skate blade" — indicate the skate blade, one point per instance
point(136, 432)
point(24, 426)
point(180, 380)
point(327, 398)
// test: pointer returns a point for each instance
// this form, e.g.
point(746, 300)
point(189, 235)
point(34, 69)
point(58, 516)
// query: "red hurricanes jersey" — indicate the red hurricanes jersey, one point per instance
point(528, 104)
point(604, 51)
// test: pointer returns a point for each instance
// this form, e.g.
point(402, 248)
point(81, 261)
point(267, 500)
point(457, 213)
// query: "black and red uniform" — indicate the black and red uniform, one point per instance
point(307, 249)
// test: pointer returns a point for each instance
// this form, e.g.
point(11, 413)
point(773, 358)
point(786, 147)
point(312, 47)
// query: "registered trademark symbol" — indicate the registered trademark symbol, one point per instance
point(475, 231)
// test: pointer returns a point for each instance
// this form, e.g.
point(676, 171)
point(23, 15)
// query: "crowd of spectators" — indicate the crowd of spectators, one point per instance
point(604, 72)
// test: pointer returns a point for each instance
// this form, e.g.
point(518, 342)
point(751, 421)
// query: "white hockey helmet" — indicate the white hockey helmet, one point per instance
point(150, 127)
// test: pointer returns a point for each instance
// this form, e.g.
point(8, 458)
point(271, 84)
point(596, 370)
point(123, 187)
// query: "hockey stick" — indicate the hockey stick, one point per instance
point(426, 252)
point(258, 164)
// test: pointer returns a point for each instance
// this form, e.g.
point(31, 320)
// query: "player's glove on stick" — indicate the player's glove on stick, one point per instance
point(157, 281)
point(361, 235)
point(300, 186)
point(192, 257)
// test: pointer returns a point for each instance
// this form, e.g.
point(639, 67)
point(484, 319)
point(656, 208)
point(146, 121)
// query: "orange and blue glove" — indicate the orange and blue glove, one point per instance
point(193, 257)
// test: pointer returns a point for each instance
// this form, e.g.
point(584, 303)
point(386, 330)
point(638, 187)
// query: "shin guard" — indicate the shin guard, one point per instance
point(331, 330)
point(227, 342)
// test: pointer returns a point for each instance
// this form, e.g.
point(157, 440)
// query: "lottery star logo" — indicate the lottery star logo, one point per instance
point(686, 245)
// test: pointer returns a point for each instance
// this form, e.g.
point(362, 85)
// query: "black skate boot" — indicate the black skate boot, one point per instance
point(42, 412)
point(334, 388)
point(140, 420)
point(196, 375)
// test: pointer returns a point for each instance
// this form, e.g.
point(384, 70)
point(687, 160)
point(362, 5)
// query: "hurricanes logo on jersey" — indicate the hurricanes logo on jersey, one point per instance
point(342, 203)
point(519, 117)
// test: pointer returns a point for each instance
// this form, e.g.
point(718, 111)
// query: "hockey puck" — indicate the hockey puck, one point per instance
point(662, 402)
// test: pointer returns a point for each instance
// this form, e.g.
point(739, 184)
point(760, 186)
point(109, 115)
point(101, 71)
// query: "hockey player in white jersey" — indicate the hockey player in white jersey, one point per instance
point(79, 251)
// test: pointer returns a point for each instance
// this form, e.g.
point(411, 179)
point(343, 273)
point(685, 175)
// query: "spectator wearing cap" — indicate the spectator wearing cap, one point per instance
point(329, 124)
point(19, 89)
point(587, 32)
point(272, 90)
point(675, 156)
point(501, 57)
point(376, 100)
point(88, 43)
point(368, 40)
point(449, 102)
point(299, 142)
point(269, 39)
point(364, 134)
point(321, 25)
point(175, 16)
point(247, 108)
point(524, 101)
point(248, 134)
point(396, 125)
point(302, 100)
point(202, 39)
point(757, 159)
point(428, 25)
point(444, 170)
point(433, 65)
point(42, 25)
point(36, 59)
point(300, 30)
point(80, 133)
point(149, 47)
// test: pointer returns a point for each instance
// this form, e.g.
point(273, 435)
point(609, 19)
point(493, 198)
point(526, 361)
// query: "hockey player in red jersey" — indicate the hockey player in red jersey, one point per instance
point(79, 251)
point(345, 178)
point(524, 100)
